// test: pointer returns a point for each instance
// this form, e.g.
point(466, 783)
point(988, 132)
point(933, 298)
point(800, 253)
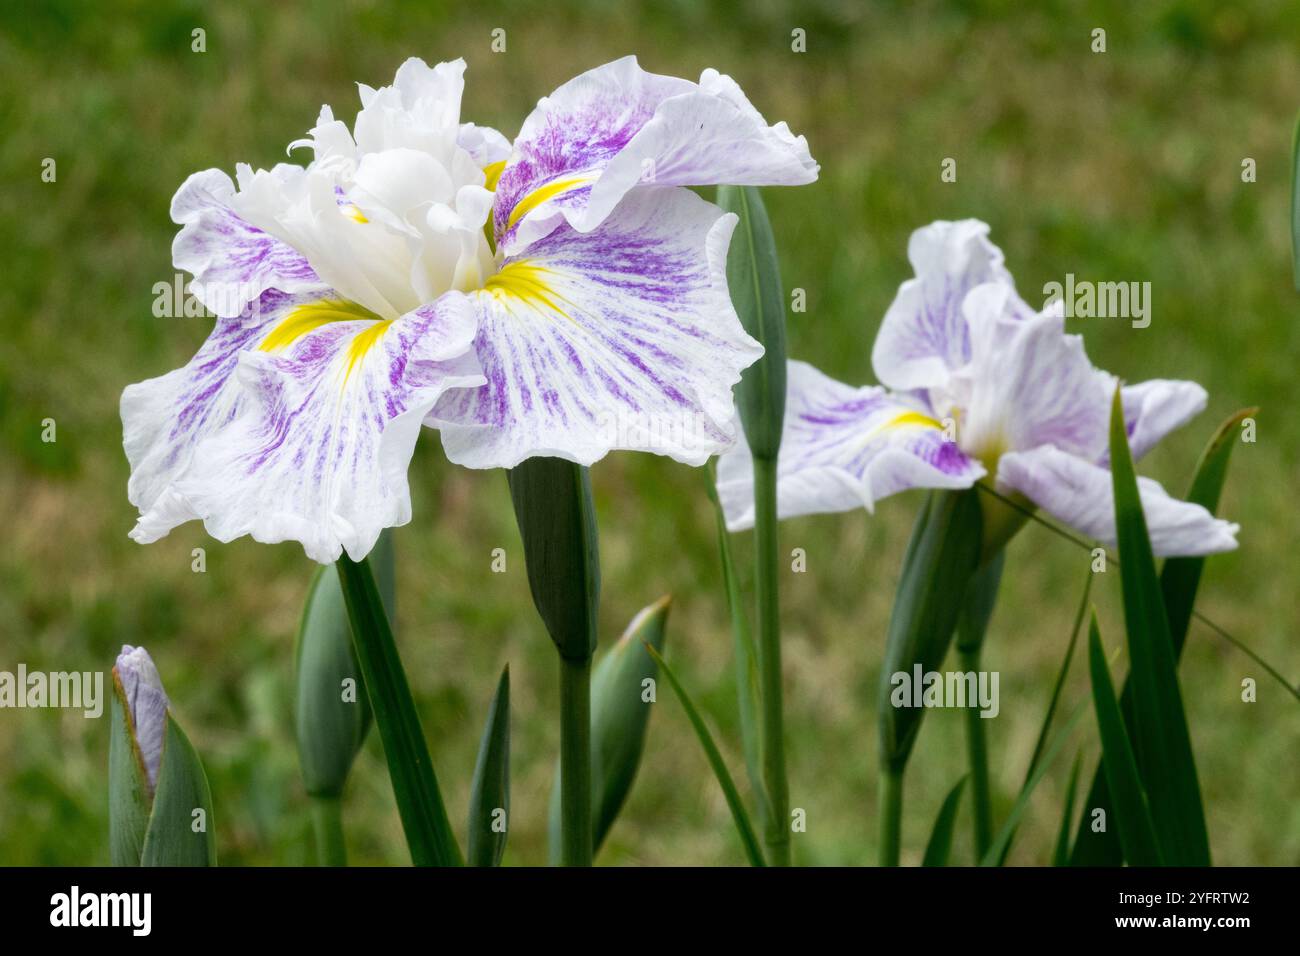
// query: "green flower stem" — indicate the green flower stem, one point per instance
point(575, 761)
point(891, 814)
point(327, 823)
point(978, 755)
point(777, 825)
point(419, 801)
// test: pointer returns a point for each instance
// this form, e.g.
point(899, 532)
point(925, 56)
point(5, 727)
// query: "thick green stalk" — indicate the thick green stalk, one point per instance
point(777, 824)
point(557, 523)
point(419, 801)
point(575, 761)
point(327, 824)
point(891, 814)
point(977, 752)
point(972, 625)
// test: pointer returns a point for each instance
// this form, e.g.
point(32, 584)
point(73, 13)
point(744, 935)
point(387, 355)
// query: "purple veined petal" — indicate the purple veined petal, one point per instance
point(146, 704)
point(320, 448)
point(232, 261)
point(844, 448)
point(1027, 384)
point(1154, 408)
point(617, 126)
point(165, 418)
point(924, 336)
point(1080, 494)
point(621, 338)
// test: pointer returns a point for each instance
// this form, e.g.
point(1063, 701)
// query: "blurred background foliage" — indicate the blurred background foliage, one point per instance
point(1117, 166)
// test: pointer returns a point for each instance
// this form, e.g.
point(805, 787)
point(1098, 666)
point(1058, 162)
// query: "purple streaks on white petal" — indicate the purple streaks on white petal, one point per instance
point(232, 261)
point(845, 448)
point(633, 343)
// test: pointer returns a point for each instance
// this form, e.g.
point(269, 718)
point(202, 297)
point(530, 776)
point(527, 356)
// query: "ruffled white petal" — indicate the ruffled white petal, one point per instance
point(844, 448)
point(1080, 493)
point(394, 217)
point(621, 338)
point(1157, 407)
point(232, 261)
point(1027, 384)
point(616, 127)
point(420, 111)
point(485, 145)
point(923, 336)
point(319, 451)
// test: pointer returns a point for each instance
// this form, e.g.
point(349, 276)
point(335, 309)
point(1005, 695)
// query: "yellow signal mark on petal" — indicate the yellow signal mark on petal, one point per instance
point(527, 283)
point(353, 212)
point(492, 175)
point(366, 340)
point(310, 316)
point(904, 419)
point(541, 194)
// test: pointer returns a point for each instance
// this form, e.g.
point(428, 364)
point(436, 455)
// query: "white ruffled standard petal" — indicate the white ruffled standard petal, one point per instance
point(420, 111)
point(165, 418)
point(923, 336)
point(1027, 384)
point(621, 338)
point(617, 126)
point(844, 448)
point(392, 217)
point(1080, 494)
point(232, 261)
point(1157, 407)
point(486, 146)
point(319, 451)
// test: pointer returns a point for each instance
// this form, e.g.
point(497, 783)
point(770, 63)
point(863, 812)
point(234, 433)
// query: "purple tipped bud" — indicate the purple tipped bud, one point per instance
point(146, 702)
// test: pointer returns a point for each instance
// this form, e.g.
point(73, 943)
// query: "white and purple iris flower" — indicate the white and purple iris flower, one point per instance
point(979, 388)
point(424, 271)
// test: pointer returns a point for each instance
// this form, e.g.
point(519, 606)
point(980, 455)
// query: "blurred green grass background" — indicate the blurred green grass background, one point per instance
point(1117, 166)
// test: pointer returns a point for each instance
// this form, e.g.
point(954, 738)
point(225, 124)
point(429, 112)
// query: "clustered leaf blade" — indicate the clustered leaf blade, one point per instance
point(1132, 811)
point(1179, 581)
point(489, 801)
point(415, 787)
point(939, 846)
point(1162, 744)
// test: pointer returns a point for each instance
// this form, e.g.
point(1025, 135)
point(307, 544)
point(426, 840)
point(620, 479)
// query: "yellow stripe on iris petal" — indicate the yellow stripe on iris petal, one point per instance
point(309, 317)
point(492, 175)
point(527, 283)
point(541, 194)
point(366, 340)
point(903, 419)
